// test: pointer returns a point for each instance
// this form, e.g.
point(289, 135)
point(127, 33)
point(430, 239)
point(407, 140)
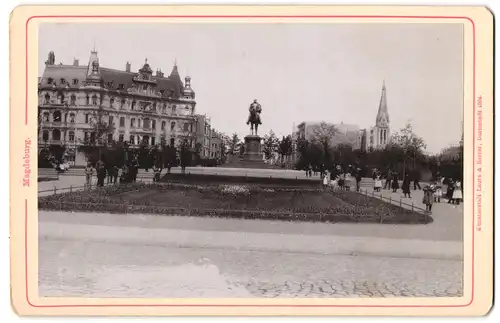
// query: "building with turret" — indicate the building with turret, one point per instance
point(141, 106)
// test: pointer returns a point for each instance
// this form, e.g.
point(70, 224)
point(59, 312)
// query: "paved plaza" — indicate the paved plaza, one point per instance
point(134, 255)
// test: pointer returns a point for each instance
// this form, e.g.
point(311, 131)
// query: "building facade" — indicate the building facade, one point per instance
point(203, 135)
point(216, 145)
point(139, 107)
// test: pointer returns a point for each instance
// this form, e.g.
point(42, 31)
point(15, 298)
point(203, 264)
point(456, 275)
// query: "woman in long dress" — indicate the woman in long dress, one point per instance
point(326, 178)
point(457, 192)
point(450, 190)
point(406, 186)
point(378, 184)
point(428, 198)
point(395, 183)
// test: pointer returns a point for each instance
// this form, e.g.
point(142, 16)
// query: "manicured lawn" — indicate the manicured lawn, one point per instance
point(234, 201)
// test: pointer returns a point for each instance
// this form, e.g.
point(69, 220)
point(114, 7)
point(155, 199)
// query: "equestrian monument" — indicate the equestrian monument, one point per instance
point(252, 156)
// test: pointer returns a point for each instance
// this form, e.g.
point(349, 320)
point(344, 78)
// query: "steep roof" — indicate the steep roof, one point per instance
point(108, 75)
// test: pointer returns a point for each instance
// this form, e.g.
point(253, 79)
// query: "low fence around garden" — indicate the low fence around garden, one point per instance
point(396, 202)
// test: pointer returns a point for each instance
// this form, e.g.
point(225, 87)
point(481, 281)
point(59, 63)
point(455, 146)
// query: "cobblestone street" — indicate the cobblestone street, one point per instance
point(103, 269)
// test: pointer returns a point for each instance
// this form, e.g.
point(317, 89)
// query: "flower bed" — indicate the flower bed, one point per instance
point(235, 201)
point(217, 179)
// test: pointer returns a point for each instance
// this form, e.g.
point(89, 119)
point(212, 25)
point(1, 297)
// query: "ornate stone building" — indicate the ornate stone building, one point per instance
point(142, 107)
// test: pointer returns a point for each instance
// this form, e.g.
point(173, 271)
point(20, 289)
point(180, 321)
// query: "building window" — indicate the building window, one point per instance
point(45, 135)
point(145, 140)
point(75, 81)
point(87, 118)
point(63, 81)
point(132, 140)
point(174, 108)
point(138, 123)
point(122, 103)
point(153, 124)
point(94, 99)
point(172, 142)
point(110, 120)
point(86, 136)
point(154, 107)
point(163, 108)
point(163, 125)
point(146, 123)
point(110, 137)
point(186, 127)
point(92, 136)
point(111, 101)
point(47, 98)
point(87, 99)
point(73, 100)
point(121, 137)
point(72, 118)
point(71, 136)
point(56, 134)
point(57, 116)
point(46, 116)
point(50, 80)
point(122, 122)
point(172, 126)
point(132, 107)
point(61, 98)
point(132, 123)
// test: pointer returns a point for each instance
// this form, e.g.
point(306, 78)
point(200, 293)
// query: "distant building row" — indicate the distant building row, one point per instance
point(376, 137)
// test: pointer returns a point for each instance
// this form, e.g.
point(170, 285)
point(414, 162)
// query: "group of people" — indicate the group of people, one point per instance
point(342, 179)
point(432, 192)
point(392, 182)
point(127, 174)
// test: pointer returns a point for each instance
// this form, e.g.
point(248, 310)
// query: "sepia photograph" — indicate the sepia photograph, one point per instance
point(250, 160)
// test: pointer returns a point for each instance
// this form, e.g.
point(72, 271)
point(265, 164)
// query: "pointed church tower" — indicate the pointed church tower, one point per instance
point(382, 129)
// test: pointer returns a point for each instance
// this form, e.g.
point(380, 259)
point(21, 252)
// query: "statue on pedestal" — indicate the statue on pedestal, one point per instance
point(254, 120)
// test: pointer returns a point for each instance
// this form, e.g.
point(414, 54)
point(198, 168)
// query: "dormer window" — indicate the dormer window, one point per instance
point(75, 81)
point(121, 86)
point(50, 80)
point(63, 81)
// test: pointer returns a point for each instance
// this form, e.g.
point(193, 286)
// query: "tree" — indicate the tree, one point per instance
point(98, 137)
point(285, 147)
point(409, 146)
point(323, 134)
point(233, 144)
point(270, 146)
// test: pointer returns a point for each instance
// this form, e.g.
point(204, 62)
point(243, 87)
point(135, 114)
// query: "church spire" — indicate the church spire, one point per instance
point(383, 114)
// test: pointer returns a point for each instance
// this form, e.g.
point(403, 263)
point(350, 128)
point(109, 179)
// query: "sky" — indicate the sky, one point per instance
point(298, 72)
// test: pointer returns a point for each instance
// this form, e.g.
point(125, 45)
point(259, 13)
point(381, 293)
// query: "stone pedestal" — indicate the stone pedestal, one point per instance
point(252, 148)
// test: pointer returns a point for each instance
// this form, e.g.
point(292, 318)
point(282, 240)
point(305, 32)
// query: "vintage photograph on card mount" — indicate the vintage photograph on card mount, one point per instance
point(323, 161)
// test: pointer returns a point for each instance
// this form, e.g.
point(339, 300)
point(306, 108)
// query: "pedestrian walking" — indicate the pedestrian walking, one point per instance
point(406, 186)
point(116, 172)
point(388, 178)
point(416, 180)
point(438, 192)
point(326, 178)
point(457, 192)
point(395, 183)
point(358, 180)
point(157, 173)
point(110, 172)
point(89, 170)
point(101, 173)
point(428, 198)
point(378, 183)
point(450, 190)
